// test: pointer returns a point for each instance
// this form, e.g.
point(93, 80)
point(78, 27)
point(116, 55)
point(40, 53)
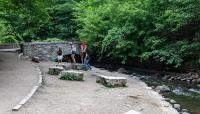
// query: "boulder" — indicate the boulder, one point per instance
point(198, 81)
point(110, 81)
point(55, 70)
point(172, 101)
point(162, 89)
point(177, 107)
point(71, 75)
point(122, 70)
point(36, 59)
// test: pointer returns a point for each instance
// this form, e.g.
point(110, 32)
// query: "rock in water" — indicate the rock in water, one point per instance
point(71, 75)
point(55, 70)
point(122, 70)
point(162, 89)
point(177, 107)
point(110, 81)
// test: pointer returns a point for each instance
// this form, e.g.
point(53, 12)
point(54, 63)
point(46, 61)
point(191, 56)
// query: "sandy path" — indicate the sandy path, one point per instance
point(16, 80)
point(88, 97)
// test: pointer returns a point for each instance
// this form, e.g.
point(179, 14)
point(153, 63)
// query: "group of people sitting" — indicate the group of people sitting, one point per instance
point(85, 59)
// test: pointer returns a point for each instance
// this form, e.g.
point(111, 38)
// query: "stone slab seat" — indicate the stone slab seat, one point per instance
point(65, 66)
point(71, 75)
point(55, 70)
point(78, 66)
point(110, 81)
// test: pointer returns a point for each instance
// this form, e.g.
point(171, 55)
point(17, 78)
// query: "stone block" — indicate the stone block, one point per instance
point(78, 66)
point(71, 75)
point(55, 70)
point(65, 66)
point(110, 81)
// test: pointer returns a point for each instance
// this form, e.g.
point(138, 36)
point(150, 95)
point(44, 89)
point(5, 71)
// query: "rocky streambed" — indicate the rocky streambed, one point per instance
point(183, 91)
point(180, 89)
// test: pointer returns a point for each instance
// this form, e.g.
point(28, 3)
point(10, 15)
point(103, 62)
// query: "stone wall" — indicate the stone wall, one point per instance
point(47, 51)
point(9, 46)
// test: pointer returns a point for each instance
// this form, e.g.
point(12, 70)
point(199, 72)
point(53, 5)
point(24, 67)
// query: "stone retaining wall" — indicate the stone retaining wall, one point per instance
point(47, 51)
point(9, 46)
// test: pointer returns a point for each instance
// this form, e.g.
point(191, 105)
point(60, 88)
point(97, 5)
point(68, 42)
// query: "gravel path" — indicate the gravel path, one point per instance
point(16, 80)
point(88, 97)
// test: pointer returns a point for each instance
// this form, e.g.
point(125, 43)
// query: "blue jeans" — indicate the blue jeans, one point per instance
point(87, 65)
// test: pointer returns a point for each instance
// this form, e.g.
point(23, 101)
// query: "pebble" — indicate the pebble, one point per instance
point(177, 106)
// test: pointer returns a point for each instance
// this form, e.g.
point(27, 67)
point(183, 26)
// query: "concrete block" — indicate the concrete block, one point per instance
point(65, 66)
point(78, 66)
point(71, 75)
point(110, 81)
point(55, 70)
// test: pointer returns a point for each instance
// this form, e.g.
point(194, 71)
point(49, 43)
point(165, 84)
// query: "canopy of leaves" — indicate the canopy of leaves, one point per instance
point(163, 30)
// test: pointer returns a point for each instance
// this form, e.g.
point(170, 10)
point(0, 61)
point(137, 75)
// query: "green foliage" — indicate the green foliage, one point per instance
point(142, 29)
point(71, 77)
point(49, 40)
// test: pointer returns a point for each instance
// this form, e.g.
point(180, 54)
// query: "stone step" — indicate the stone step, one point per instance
point(110, 81)
point(55, 70)
point(72, 75)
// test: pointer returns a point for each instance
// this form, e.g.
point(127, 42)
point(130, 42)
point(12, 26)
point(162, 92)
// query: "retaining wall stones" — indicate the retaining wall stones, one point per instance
point(47, 51)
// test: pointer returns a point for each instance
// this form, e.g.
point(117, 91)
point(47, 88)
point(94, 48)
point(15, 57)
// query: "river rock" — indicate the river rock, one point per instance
point(122, 70)
point(198, 81)
point(172, 101)
point(184, 110)
point(162, 89)
point(71, 75)
point(55, 70)
point(110, 81)
point(166, 77)
point(177, 107)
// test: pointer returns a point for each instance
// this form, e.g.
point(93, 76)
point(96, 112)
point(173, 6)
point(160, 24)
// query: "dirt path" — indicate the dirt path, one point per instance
point(88, 97)
point(16, 80)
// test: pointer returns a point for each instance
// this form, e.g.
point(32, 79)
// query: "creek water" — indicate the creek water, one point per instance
point(186, 95)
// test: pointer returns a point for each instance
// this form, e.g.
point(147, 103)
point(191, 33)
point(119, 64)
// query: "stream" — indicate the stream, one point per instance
point(186, 95)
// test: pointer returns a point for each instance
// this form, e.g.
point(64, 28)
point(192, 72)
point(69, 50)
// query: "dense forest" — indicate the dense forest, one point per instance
point(164, 31)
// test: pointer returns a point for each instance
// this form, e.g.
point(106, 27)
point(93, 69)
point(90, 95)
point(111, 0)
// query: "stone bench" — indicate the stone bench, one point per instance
point(110, 81)
point(65, 66)
point(77, 66)
point(71, 75)
point(55, 70)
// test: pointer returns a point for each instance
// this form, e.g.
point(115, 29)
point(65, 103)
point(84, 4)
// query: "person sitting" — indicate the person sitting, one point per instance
point(83, 48)
point(59, 55)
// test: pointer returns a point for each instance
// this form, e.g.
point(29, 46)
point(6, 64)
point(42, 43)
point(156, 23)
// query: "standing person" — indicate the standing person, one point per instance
point(86, 62)
point(59, 55)
point(73, 52)
point(83, 51)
